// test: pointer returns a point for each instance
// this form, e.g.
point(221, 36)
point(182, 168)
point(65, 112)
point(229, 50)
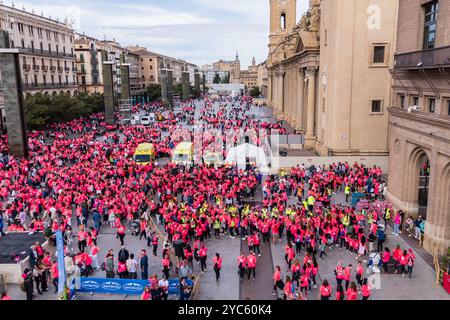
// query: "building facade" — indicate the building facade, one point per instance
point(89, 66)
point(419, 125)
point(263, 78)
point(150, 64)
point(320, 68)
point(47, 57)
point(210, 74)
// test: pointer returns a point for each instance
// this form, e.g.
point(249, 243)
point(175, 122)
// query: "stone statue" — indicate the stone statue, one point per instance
point(304, 23)
point(315, 19)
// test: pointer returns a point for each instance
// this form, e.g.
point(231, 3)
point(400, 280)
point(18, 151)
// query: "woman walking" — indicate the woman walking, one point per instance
point(277, 282)
point(217, 260)
point(325, 290)
point(288, 289)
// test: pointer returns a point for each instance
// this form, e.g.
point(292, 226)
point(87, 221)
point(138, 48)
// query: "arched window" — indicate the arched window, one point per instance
point(283, 21)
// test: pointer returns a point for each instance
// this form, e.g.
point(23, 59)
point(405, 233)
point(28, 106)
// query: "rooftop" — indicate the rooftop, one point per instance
point(33, 15)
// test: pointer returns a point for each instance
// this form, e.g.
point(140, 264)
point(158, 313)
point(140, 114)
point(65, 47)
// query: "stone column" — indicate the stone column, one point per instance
point(294, 95)
point(269, 93)
point(204, 83)
point(274, 93)
point(164, 95)
point(286, 95)
point(300, 99)
point(186, 86)
point(11, 82)
point(125, 79)
point(197, 81)
point(108, 88)
point(169, 87)
point(311, 74)
point(280, 96)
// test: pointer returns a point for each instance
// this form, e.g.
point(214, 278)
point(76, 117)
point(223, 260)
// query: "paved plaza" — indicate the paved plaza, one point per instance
point(393, 287)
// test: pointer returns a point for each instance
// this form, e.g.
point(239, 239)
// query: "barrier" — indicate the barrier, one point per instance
point(123, 286)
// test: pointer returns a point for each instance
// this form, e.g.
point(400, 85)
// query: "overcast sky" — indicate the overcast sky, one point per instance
point(199, 31)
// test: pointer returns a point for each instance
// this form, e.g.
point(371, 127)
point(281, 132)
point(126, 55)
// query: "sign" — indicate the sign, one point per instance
point(123, 286)
point(61, 266)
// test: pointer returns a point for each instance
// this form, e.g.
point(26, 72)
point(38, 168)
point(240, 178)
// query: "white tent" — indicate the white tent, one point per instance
point(238, 155)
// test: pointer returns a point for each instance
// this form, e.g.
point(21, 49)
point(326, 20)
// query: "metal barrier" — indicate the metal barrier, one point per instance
point(195, 289)
point(3, 283)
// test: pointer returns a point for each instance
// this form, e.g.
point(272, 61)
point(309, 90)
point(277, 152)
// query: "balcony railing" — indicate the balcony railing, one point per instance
point(32, 86)
point(35, 68)
point(46, 53)
point(66, 69)
point(26, 67)
point(82, 71)
point(45, 68)
point(431, 58)
point(52, 68)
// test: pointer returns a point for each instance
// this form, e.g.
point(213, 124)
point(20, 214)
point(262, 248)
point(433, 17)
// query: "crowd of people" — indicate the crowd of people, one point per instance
point(81, 178)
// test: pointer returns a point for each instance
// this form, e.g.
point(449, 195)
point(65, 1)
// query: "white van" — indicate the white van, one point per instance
point(145, 120)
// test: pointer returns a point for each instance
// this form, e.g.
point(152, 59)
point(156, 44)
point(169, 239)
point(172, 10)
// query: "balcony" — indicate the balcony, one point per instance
point(36, 68)
point(66, 69)
point(74, 69)
point(45, 68)
point(45, 53)
point(60, 69)
point(82, 71)
point(52, 68)
point(34, 86)
point(431, 58)
point(26, 67)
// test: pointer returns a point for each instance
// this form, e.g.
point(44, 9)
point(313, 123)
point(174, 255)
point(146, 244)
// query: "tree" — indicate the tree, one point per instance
point(226, 79)
point(255, 92)
point(216, 78)
point(41, 110)
point(154, 92)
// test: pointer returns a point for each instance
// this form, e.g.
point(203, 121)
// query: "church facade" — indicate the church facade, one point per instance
point(329, 73)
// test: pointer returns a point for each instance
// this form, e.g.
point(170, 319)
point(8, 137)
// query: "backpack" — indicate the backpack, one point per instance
point(103, 266)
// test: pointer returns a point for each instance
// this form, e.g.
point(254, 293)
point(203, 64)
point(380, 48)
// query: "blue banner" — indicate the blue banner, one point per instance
point(61, 266)
point(123, 286)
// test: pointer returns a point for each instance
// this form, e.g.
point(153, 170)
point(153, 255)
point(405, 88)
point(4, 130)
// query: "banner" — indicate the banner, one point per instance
point(61, 266)
point(123, 286)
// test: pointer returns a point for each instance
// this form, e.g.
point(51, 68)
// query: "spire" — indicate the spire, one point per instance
point(237, 56)
point(254, 61)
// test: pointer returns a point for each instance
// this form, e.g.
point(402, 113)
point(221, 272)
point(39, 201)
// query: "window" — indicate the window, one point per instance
point(283, 21)
point(402, 101)
point(431, 105)
point(376, 106)
point(448, 107)
point(415, 101)
point(379, 52)
point(429, 34)
point(22, 43)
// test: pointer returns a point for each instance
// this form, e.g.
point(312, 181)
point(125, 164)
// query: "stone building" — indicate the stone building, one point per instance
point(47, 58)
point(248, 77)
point(329, 73)
point(150, 65)
point(419, 125)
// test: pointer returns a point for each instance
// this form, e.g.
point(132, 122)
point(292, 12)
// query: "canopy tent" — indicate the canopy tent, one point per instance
point(256, 155)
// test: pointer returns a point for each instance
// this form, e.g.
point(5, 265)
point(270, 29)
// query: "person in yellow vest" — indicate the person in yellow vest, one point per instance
point(311, 201)
point(346, 220)
point(387, 215)
point(347, 192)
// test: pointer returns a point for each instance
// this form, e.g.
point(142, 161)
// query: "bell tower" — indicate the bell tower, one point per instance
point(282, 19)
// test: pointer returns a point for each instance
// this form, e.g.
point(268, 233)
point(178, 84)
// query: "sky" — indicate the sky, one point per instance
point(198, 31)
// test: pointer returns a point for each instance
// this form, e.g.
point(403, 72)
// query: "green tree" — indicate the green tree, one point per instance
point(154, 92)
point(226, 79)
point(216, 78)
point(41, 110)
point(255, 92)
